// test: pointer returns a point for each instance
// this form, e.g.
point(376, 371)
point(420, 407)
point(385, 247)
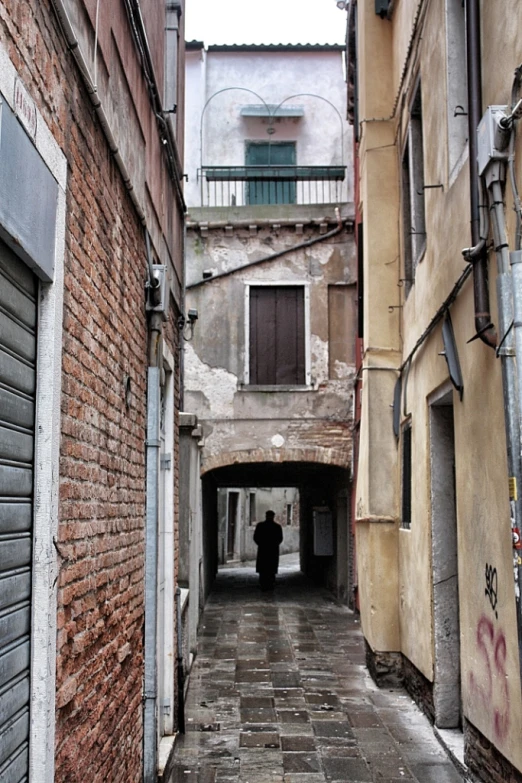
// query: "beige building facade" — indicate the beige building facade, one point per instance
point(436, 498)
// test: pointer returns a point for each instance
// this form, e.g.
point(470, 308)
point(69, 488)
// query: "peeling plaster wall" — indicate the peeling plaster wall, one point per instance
point(234, 417)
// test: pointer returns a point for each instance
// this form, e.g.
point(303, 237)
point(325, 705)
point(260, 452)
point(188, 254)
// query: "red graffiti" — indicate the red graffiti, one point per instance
point(494, 687)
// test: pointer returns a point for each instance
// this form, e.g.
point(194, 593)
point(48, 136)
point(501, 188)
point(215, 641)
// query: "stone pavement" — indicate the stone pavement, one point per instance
point(279, 693)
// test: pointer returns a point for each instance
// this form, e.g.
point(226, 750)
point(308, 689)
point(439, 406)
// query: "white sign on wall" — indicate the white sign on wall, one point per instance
point(25, 108)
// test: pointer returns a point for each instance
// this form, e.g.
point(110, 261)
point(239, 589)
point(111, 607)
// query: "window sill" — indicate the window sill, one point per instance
point(245, 387)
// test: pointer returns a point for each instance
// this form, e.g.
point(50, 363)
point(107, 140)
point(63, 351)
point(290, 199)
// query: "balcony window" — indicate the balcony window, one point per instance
point(271, 156)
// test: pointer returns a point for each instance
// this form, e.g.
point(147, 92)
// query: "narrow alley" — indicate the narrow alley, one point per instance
point(279, 692)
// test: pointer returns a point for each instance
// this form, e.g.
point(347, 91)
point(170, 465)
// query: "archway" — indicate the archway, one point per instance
point(326, 548)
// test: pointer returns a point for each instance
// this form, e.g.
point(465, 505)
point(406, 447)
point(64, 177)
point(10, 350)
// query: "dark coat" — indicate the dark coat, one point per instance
point(267, 535)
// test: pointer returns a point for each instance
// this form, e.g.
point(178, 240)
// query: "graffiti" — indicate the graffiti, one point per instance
point(493, 690)
point(492, 587)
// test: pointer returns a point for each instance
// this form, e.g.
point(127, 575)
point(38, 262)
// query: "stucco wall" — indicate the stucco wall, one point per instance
point(491, 696)
point(217, 137)
point(234, 417)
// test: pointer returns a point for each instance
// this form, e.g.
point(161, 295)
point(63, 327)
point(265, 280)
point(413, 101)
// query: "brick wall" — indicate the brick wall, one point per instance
point(100, 541)
point(385, 667)
point(419, 688)
point(484, 760)
point(102, 469)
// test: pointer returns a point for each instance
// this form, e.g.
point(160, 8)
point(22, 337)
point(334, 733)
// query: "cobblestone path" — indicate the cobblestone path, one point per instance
point(279, 694)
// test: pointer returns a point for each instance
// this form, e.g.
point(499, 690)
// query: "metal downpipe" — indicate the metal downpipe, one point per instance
point(150, 687)
point(274, 256)
point(508, 305)
point(483, 325)
point(516, 271)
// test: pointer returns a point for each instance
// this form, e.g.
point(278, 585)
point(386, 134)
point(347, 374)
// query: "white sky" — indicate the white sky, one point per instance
point(264, 21)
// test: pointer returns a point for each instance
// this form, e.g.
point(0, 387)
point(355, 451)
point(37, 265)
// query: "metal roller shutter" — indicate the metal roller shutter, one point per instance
point(18, 314)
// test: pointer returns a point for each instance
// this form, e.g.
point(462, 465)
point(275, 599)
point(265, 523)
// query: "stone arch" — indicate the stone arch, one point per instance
point(332, 457)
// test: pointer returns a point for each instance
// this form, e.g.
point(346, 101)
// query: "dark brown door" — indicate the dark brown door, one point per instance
point(277, 337)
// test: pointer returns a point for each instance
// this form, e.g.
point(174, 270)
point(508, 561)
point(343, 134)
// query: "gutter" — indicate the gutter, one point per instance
point(274, 256)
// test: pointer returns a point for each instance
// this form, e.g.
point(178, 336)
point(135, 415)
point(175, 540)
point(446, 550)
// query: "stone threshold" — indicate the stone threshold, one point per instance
point(452, 740)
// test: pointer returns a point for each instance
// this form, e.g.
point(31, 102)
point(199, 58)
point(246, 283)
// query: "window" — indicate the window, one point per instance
point(288, 514)
point(457, 85)
point(252, 507)
point(406, 476)
point(414, 222)
point(341, 329)
point(276, 335)
point(270, 183)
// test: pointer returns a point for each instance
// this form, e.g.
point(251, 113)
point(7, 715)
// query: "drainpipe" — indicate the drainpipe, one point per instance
point(508, 299)
point(273, 256)
point(150, 688)
point(477, 255)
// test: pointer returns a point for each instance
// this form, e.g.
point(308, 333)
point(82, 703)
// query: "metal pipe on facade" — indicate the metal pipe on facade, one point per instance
point(273, 256)
point(150, 684)
point(478, 254)
point(134, 13)
point(508, 298)
point(516, 282)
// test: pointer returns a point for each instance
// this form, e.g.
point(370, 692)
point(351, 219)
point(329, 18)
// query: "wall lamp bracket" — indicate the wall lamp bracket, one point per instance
point(187, 324)
point(429, 187)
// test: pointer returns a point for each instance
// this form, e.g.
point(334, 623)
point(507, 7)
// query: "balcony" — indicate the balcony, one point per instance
point(237, 186)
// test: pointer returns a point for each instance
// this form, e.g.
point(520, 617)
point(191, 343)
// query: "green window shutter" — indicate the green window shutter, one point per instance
point(277, 191)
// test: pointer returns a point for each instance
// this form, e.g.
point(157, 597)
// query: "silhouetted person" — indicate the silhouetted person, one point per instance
point(267, 535)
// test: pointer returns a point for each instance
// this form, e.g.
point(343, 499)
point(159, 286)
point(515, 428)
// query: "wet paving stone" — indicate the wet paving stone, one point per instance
point(259, 739)
point(258, 715)
point(343, 769)
point(340, 730)
point(293, 716)
point(251, 702)
point(279, 693)
point(297, 743)
point(301, 762)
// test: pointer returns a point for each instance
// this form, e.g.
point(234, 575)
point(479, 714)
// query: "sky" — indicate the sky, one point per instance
point(264, 21)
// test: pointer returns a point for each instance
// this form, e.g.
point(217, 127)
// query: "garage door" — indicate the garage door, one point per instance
point(18, 311)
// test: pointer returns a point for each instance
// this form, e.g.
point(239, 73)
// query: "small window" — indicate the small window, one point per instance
point(288, 514)
point(277, 336)
point(413, 215)
point(252, 508)
point(341, 329)
point(406, 476)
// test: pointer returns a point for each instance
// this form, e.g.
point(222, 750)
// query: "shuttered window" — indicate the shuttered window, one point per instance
point(406, 476)
point(277, 335)
point(18, 314)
